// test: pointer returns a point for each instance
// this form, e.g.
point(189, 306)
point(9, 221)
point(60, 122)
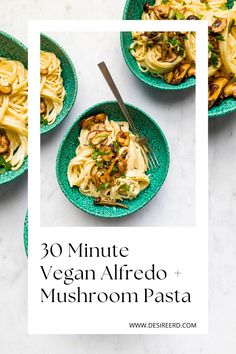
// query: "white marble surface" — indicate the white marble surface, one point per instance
point(222, 254)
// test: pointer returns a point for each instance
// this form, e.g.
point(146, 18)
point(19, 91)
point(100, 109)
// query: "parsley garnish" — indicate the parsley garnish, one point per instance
point(219, 37)
point(103, 186)
point(230, 4)
point(179, 15)
point(177, 46)
point(181, 51)
point(214, 60)
point(115, 169)
point(115, 145)
point(124, 188)
point(4, 165)
point(97, 153)
point(43, 121)
point(98, 163)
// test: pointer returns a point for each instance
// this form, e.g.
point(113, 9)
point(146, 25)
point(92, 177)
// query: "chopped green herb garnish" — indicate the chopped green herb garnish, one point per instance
point(43, 121)
point(107, 164)
point(230, 4)
point(103, 186)
point(214, 59)
point(95, 154)
point(115, 145)
point(115, 169)
point(4, 165)
point(219, 37)
point(179, 15)
point(98, 163)
point(124, 188)
point(175, 43)
point(181, 51)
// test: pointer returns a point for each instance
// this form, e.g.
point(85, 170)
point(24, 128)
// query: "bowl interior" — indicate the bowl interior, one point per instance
point(133, 11)
point(69, 76)
point(11, 48)
point(147, 127)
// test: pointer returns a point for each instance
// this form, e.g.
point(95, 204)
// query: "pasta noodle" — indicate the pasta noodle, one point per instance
point(171, 55)
point(13, 114)
point(52, 91)
point(109, 164)
point(160, 53)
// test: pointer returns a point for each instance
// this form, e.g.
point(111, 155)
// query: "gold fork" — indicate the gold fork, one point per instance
point(153, 162)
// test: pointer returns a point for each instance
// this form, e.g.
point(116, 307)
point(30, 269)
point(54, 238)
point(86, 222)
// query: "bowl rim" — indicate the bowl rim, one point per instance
point(18, 173)
point(95, 106)
point(14, 39)
point(26, 233)
point(223, 113)
point(48, 128)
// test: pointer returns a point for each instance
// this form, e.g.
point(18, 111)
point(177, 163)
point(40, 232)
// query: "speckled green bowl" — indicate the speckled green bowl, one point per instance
point(26, 233)
point(147, 127)
point(133, 11)
point(11, 48)
point(69, 76)
point(227, 106)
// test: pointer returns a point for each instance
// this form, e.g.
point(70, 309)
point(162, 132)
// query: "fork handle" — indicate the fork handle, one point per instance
point(102, 66)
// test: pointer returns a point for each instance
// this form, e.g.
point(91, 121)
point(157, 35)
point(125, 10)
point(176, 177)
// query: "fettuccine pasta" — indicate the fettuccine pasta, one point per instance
point(52, 91)
point(171, 55)
point(110, 164)
point(13, 114)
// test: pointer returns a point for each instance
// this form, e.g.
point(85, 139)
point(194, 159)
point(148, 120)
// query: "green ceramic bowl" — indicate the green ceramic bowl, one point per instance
point(227, 106)
point(11, 48)
point(26, 233)
point(147, 127)
point(69, 80)
point(133, 11)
